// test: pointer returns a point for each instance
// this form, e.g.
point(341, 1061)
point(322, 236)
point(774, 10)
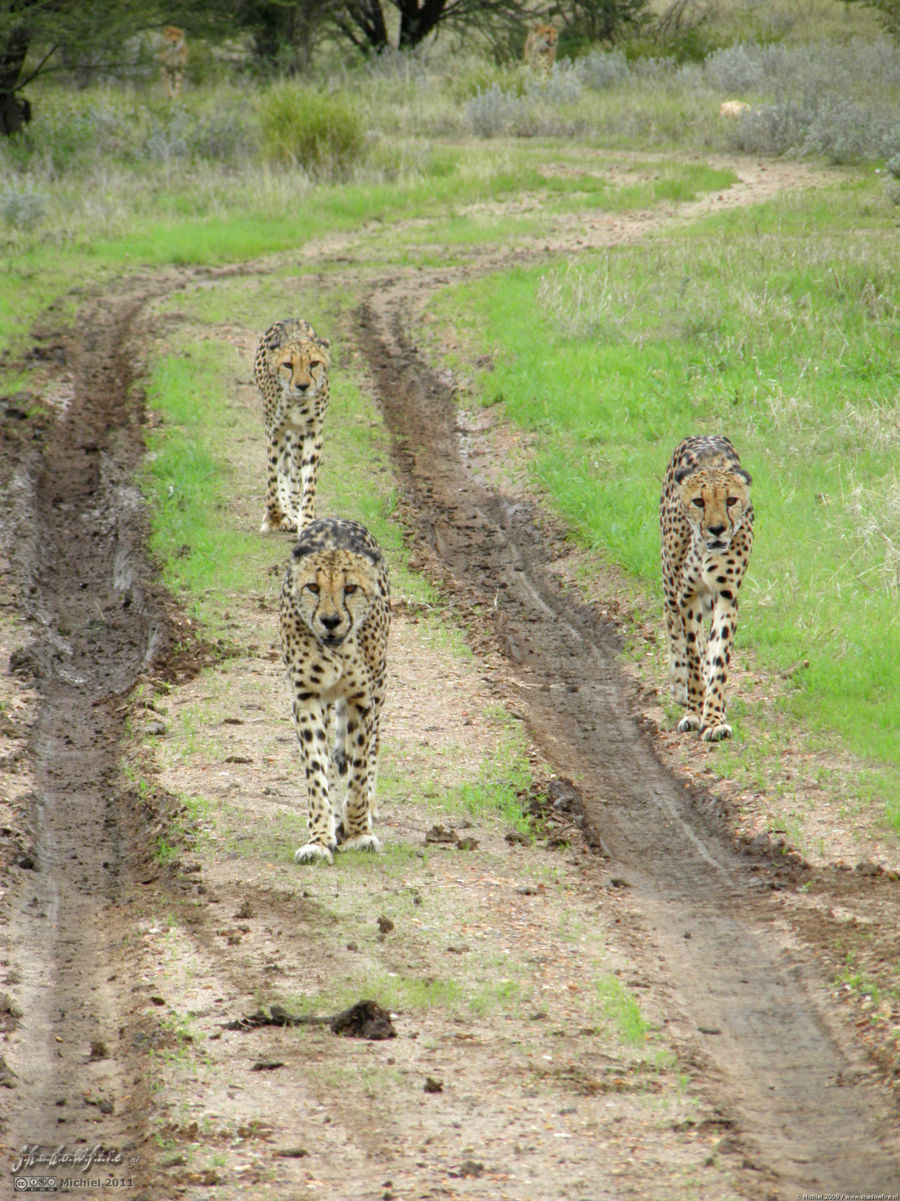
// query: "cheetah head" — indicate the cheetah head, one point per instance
point(332, 591)
point(715, 502)
point(300, 368)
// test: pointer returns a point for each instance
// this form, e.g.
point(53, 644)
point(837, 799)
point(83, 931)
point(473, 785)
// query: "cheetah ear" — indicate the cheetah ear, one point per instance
point(323, 342)
point(276, 336)
point(745, 475)
point(682, 473)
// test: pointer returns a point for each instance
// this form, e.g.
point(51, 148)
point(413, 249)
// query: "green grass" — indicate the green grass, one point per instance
point(786, 342)
point(187, 481)
point(502, 781)
point(622, 1011)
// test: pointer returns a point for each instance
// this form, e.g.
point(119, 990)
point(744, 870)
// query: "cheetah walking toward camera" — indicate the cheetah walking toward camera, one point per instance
point(706, 521)
point(335, 618)
point(291, 369)
point(540, 49)
point(173, 58)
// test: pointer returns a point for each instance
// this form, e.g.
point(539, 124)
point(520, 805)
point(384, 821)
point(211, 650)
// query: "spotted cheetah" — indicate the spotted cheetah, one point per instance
point(540, 49)
point(335, 617)
point(706, 520)
point(173, 57)
point(291, 368)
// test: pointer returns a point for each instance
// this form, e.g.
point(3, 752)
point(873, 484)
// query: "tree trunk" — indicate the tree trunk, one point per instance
point(13, 111)
point(417, 21)
point(368, 18)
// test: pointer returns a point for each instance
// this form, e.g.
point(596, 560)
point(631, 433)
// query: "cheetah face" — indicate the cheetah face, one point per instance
point(332, 593)
point(546, 38)
point(300, 370)
point(714, 502)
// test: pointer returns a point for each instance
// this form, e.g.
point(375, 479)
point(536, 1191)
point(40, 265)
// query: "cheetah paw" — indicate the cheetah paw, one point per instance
point(362, 842)
point(717, 732)
point(313, 852)
point(689, 722)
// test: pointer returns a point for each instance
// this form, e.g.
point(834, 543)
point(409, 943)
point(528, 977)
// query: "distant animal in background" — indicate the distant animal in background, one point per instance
point(291, 369)
point(733, 108)
point(540, 48)
point(173, 59)
point(335, 619)
point(706, 523)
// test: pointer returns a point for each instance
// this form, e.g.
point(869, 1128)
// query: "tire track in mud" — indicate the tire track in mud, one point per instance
point(77, 533)
point(803, 1100)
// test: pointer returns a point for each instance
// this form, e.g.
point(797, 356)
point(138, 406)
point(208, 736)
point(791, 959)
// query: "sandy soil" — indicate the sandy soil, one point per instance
point(639, 1003)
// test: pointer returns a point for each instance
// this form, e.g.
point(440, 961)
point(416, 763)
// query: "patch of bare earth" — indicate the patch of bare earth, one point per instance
point(636, 1003)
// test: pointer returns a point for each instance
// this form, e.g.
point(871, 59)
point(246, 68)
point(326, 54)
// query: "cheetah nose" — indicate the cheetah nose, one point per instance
point(331, 623)
point(716, 530)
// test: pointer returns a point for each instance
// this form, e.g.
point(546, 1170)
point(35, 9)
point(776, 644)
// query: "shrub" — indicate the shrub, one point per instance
point(319, 132)
point(495, 112)
point(599, 70)
point(22, 206)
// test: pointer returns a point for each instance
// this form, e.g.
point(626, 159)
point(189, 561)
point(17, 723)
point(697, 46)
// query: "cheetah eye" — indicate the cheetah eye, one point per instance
point(349, 589)
point(731, 501)
point(698, 501)
point(313, 588)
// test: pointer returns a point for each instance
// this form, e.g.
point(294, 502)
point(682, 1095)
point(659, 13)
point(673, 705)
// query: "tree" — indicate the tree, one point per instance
point(588, 21)
point(888, 13)
point(364, 22)
point(34, 33)
point(285, 33)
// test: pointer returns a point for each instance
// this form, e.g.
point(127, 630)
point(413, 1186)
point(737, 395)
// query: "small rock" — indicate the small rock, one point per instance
point(154, 729)
point(385, 925)
point(292, 1152)
point(470, 1167)
point(433, 1086)
point(440, 834)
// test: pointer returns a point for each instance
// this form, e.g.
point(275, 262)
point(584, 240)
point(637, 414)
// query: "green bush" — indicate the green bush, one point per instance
point(320, 132)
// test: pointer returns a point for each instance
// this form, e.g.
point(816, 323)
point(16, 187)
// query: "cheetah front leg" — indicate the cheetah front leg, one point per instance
point(279, 457)
point(362, 733)
point(678, 662)
point(690, 613)
point(307, 452)
point(714, 727)
point(311, 720)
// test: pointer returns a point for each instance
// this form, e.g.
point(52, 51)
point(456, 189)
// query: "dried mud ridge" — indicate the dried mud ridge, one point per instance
point(76, 532)
point(801, 1100)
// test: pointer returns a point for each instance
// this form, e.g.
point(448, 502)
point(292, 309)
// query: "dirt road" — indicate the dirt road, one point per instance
point(127, 978)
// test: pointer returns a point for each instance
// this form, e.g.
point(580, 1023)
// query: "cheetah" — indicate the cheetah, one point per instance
point(291, 369)
point(335, 619)
point(706, 520)
point(540, 48)
point(173, 57)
